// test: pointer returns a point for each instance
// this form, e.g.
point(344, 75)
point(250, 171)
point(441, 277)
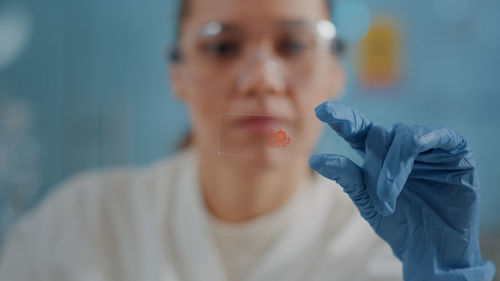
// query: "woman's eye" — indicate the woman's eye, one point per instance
point(223, 49)
point(292, 47)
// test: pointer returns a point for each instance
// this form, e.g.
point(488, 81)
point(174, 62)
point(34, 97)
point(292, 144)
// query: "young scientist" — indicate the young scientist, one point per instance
point(201, 216)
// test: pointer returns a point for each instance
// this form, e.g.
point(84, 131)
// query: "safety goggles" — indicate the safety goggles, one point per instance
point(291, 51)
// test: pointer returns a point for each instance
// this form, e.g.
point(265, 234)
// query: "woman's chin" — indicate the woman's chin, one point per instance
point(262, 162)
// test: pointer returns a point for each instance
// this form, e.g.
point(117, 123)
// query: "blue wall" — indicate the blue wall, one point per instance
point(93, 78)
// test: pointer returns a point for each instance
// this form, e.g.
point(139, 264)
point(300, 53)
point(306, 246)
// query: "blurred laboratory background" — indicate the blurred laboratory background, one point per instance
point(84, 85)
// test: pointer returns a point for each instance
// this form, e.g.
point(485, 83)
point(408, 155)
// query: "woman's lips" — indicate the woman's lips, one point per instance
point(259, 124)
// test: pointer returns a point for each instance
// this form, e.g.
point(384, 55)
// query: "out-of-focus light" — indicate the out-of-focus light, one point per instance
point(25, 150)
point(352, 19)
point(212, 29)
point(486, 26)
point(15, 116)
point(326, 29)
point(451, 11)
point(15, 29)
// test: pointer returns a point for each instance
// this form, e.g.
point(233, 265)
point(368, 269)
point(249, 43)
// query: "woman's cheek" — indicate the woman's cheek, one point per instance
point(206, 115)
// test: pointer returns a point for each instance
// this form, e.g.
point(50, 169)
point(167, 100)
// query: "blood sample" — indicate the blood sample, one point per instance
point(278, 138)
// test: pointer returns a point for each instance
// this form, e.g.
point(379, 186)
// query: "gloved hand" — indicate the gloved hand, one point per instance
point(417, 188)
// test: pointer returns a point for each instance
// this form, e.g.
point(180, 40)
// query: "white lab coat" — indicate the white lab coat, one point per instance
point(150, 224)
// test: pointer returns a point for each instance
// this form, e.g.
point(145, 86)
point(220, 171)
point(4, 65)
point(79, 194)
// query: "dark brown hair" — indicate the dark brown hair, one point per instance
point(184, 8)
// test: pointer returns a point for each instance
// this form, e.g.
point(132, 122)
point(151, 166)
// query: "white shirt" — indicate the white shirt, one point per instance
point(151, 224)
point(242, 245)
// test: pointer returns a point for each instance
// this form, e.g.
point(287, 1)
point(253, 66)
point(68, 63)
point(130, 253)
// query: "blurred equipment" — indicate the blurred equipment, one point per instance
point(380, 55)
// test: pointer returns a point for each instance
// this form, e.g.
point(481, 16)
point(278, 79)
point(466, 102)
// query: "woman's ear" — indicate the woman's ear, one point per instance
point(177, 80)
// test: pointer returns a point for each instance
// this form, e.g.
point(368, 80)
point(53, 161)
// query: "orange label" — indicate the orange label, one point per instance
point(278, 138)
point(380, 57)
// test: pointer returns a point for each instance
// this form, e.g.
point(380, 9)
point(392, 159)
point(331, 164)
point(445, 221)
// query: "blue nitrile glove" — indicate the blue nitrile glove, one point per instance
point(417, 188)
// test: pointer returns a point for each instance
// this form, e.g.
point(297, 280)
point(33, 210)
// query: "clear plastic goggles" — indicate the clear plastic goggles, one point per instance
point(291, 52)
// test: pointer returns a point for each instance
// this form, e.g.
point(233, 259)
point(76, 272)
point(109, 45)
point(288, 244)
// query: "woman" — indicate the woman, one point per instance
point(206, 215)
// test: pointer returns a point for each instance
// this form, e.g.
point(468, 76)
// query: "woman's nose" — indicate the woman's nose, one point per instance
point(261, 75)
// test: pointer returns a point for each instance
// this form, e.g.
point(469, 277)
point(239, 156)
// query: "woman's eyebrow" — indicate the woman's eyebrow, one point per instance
point(216, 28)
point(293, 23)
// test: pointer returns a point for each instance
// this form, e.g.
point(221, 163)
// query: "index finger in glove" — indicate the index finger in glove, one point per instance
point(349, 123)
